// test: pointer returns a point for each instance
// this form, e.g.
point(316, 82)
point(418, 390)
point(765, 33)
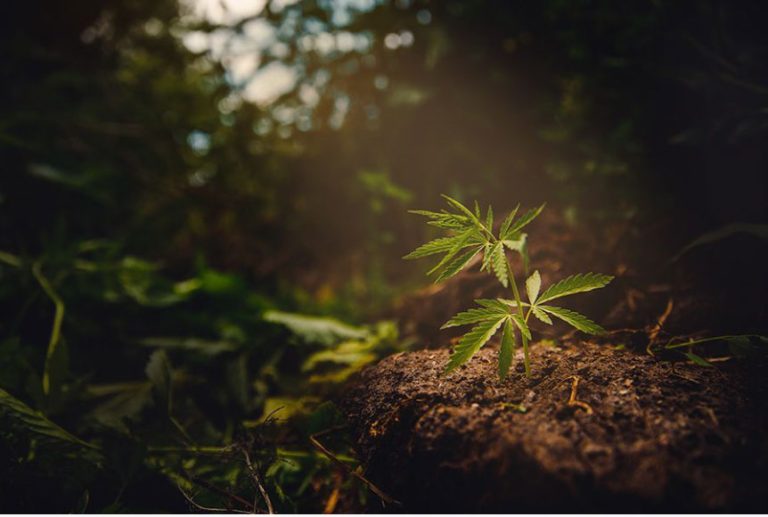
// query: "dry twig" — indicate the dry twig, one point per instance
point(654, 333)
point(373, 488)
point(257, 482)
point(213, 488)
point(206, 508)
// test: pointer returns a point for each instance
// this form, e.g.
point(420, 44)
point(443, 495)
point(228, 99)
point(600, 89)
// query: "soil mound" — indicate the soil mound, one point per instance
point(594, 430)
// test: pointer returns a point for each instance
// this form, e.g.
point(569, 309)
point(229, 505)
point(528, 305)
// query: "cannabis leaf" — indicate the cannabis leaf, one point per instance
point(575, 284)
point(443, 219)
point(508, 221)
point(499, 262)
point(522, 222)
point(541, 315)
point(442, 245)
point(472, 341)
point(16, 414)
point(473, 316)
point(532, 286)
point(455, 265)
point(470, 233)
point(474, 218)
point(574, 319)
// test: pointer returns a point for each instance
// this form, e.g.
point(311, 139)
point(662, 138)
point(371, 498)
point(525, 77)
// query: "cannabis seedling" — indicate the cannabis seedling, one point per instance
point(471, 234)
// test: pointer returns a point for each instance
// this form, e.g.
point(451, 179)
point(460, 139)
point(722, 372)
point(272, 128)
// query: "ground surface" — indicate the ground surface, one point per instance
point(637, 433)
point(652, 435)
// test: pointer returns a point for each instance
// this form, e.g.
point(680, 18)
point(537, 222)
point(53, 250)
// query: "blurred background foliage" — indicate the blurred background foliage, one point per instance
point(203, 207)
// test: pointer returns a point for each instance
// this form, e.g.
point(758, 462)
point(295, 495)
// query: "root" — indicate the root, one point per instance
point(572, 399)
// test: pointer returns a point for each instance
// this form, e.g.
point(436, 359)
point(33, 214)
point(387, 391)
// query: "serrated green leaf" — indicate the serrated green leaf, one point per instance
point(542, 316)
point(34, 422)
point(472, 341)
point(508, 221)
point(697, 359)
point(515, 245)
point(456, 264)
point(499, 262)
point(451, 222)
point(487, 254)
point(444, 219)
point(472, 316)
point(478, 214)
point(460, 243)
point(511, 303)
point(522, 325)
point(524, 220)
point(496, 304)
point(460, 207)
point(580, 283)
point(574, 319)
point(507, 349)
point(489, 219)
point(427, 213)
point(466, 211)
point(440, 245)
point(532, 286)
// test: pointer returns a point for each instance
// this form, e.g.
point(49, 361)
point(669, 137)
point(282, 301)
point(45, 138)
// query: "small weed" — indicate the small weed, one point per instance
point(472, 234)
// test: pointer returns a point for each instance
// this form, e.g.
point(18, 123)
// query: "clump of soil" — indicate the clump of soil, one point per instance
point(638, 435)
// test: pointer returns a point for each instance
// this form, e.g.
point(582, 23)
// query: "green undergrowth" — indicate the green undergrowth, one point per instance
point(123, 389)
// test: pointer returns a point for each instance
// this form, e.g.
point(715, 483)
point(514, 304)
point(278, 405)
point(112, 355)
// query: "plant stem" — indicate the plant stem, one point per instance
point(201, 449)
point(58, 319)
point(519, 302)
point(670, 346)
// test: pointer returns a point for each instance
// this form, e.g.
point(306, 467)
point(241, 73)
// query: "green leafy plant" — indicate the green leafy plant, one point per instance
point(471, 235)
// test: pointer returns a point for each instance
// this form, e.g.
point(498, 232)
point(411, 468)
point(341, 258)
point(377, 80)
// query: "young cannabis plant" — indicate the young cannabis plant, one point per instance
point(472, 234)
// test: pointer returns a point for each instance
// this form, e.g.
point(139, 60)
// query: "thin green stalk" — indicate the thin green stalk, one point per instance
point(200, 449)
point(9, 259)
point(519, 302)
point(684, 344)
point(58, 318)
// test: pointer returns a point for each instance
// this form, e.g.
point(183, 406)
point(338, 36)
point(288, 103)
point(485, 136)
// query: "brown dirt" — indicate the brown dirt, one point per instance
point(661, 435)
